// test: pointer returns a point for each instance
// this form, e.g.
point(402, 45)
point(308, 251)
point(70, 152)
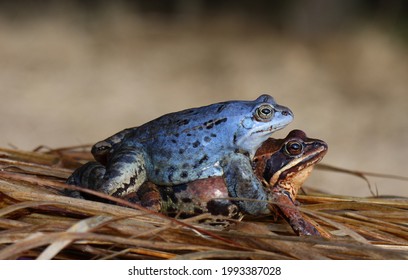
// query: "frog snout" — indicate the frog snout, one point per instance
point(284, 114)
point(284, 111)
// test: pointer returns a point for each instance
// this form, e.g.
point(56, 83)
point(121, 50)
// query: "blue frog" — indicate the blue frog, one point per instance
point(215, 140)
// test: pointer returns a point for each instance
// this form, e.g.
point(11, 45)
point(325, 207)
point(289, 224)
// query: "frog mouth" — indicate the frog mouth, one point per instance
point(270, 129)
point(281, 124)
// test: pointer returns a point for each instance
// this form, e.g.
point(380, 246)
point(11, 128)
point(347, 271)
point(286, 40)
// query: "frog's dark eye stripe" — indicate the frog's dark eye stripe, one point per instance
point(264, 112)
point(293, 148)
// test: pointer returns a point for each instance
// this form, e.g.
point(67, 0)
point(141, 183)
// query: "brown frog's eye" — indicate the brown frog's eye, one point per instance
point(293, 148)
point(264, 112)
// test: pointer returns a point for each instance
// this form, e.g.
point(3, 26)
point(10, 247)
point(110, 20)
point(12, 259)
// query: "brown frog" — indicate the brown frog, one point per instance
point(281, 164)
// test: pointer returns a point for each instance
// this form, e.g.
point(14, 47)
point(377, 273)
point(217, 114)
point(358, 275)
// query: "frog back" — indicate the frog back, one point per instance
point(188, 145)
point(185, 146)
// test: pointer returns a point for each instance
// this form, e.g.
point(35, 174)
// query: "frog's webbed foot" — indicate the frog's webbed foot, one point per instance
point(243, 183)
point(88, 176)
point(125, 172)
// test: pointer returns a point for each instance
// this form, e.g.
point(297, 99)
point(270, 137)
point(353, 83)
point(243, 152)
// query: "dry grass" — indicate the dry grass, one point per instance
point(36, 221)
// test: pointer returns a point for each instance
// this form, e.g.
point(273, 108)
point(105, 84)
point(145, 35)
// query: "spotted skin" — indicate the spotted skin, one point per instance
point(189, 145)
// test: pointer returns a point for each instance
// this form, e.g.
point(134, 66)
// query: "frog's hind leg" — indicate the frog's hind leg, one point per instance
point(125, 172)
point(88, 176)
point(243, 183)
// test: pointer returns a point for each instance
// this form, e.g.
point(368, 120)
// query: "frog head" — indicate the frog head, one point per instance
point(265, 117)
point(287, 163)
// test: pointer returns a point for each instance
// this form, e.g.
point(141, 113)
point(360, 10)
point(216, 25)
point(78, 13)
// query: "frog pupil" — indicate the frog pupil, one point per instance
point(266, 111)
point(294, 148)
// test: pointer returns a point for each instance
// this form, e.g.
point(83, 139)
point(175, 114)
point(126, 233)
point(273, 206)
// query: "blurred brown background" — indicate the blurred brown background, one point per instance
point(75, 72)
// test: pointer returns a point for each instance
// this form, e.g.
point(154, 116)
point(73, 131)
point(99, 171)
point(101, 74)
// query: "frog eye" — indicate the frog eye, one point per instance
point(293, 148)
point(264, 112)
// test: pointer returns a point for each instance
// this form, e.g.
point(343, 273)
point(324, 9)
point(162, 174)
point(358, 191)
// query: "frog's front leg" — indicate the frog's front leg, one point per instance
point(243, 183)
point(125, 172)
point(289, 211)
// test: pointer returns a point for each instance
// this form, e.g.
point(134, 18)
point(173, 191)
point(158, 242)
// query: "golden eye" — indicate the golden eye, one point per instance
point(264, 112)
point(293, 148)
